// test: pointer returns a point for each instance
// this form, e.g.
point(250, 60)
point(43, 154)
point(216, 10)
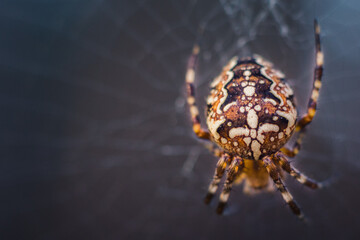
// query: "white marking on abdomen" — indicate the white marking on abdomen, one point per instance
point(247, 73)
point(230, 65)
point(267, 127)
point(234, 132)
point(263, 72)
point(216, 81)
point(228, 106)
point(281, 135)
point(249, 91)
point(230, 75)
point(272, 86)
point(257, 107)
point(247, 140)
point(270, 100)
point(213, 127)
point(252, 118)
point(291, 116)
point(253, 133)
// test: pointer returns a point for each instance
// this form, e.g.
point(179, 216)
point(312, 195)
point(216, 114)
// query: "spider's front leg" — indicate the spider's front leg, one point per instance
point(276, 177)
point(308, 117)
point(233, 173)
point(223, 162)
point(194, 111)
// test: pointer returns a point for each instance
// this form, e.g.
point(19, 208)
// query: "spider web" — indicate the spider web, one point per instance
point(97, 136)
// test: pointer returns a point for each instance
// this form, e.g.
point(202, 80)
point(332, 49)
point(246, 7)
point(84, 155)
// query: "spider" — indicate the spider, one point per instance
point(250, 116)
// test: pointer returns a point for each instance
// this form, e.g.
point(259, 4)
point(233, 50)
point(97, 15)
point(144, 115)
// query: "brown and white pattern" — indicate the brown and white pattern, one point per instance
point(250, 116)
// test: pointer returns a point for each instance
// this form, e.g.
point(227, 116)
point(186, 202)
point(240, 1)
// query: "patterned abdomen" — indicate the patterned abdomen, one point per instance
point(251, 111)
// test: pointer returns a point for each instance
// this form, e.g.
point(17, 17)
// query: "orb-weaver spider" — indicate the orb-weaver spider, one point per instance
point(250, 116)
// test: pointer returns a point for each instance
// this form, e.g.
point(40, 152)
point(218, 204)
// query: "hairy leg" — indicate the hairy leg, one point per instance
point(308, 117)
point(223, 162)
point(234, 171)
point(284, 163)
point(276, 177)
point(194, 111)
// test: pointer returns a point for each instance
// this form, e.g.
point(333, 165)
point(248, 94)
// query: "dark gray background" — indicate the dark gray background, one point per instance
point(96, 141)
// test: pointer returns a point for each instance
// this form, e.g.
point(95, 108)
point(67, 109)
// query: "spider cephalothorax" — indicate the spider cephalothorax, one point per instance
point(250, 116)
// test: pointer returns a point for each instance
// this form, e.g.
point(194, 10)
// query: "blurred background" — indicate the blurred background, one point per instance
point(96, 141)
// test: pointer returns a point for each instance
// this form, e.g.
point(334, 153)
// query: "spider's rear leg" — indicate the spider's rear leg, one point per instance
point(284, 163)
point(276, 177)
point(224, 160)
point(233, 173)
point(194, 111)
point(308, 117)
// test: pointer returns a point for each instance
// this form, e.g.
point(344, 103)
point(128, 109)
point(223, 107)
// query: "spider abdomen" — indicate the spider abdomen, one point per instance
point(251, 110)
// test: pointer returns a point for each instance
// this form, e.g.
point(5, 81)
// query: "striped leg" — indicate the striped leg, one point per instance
point(234, 171)
point(308, 117)
point(317, 82)
point(219, 172)
point(190, 79)
point(284, 163)
point(275, 175)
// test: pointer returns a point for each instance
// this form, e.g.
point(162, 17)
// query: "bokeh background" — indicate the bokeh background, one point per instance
point(96, 141)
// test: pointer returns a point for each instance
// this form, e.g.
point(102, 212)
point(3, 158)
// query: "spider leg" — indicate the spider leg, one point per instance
point(308, 117)
point(194, 111)
point(305, 120)
point(276, 177)
point(284, 163)
point(221, 165)
point(234, 171)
